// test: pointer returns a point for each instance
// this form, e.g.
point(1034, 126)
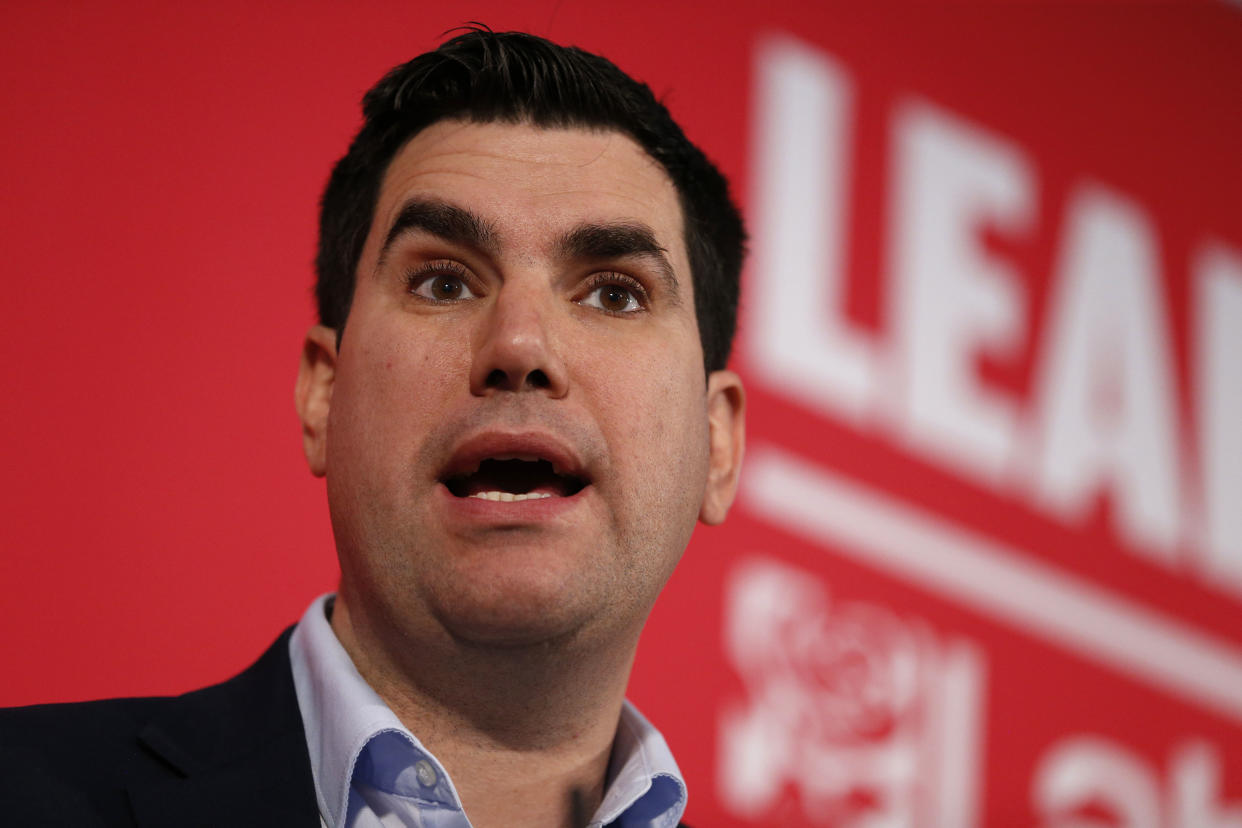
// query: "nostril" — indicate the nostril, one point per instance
point(501, 380)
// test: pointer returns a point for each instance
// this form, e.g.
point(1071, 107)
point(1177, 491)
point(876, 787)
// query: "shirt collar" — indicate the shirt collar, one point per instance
point(644, 786)
point(341, 715)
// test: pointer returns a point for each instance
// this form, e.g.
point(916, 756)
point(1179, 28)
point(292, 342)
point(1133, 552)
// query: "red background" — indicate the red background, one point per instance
point(160, 174)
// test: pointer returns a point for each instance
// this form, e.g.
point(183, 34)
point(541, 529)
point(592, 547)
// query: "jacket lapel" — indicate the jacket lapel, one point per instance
point(235, 754)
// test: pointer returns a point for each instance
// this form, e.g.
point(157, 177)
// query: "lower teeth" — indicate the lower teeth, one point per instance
point(508, 497)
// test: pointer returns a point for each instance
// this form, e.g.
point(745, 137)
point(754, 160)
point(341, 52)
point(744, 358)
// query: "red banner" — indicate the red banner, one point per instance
point(986, 563)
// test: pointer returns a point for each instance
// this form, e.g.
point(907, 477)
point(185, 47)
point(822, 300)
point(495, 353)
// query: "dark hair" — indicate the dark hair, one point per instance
point(485, 76)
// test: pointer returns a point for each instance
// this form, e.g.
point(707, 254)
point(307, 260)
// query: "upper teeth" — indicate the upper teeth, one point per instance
point(510, 496)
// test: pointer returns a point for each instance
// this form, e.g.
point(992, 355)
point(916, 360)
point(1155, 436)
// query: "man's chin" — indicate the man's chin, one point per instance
point(517, 630)
point(524, 588)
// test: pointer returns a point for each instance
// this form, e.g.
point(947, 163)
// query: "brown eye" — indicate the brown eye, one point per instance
point(613, 297)
point(442, 287)
point(446, 287)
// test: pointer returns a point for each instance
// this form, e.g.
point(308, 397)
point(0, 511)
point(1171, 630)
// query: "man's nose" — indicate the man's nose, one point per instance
point(518, 350)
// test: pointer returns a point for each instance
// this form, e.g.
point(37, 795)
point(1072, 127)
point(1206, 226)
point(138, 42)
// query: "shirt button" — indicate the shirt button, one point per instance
point(426, 773)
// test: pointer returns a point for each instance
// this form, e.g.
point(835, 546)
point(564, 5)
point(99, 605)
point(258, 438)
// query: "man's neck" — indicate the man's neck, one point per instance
point(525, 732)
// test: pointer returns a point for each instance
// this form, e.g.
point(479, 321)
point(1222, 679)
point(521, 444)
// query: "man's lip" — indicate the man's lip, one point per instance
point(466, 513)
point(527, 445)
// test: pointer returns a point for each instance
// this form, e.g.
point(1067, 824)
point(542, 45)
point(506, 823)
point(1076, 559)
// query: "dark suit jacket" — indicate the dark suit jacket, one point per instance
point(233, 754)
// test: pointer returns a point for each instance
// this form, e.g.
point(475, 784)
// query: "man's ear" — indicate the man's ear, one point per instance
point(726, 422)
point(313, 394)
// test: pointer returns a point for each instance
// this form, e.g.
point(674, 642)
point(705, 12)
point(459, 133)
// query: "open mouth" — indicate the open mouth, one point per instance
point(514, 479)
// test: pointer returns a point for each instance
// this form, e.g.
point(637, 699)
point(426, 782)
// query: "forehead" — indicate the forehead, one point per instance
point(532, 182)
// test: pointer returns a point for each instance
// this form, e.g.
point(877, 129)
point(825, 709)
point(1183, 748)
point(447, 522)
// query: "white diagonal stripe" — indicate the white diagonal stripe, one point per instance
point(994, 579)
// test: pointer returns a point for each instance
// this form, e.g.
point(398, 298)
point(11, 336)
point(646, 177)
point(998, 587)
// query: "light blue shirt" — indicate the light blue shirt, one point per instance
point(371, 771)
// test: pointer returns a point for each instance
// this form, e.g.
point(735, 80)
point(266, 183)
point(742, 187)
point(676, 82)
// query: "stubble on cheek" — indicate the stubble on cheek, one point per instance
point(654, 524)
point(647, 438)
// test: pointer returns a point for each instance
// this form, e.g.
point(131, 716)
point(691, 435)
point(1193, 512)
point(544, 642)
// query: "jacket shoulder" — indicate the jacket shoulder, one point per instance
point(95, 763)
point(66, 764)
point(48, 727)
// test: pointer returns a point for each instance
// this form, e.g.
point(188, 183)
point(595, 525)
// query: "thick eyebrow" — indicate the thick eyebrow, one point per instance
point(449, 222)
point(621, 240)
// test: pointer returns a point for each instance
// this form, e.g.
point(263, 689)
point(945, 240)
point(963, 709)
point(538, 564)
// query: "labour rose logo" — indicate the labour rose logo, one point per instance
point(844, 713)
point(860, 666)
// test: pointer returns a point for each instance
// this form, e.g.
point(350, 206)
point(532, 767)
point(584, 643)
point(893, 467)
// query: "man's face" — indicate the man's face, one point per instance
point(517, 434)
